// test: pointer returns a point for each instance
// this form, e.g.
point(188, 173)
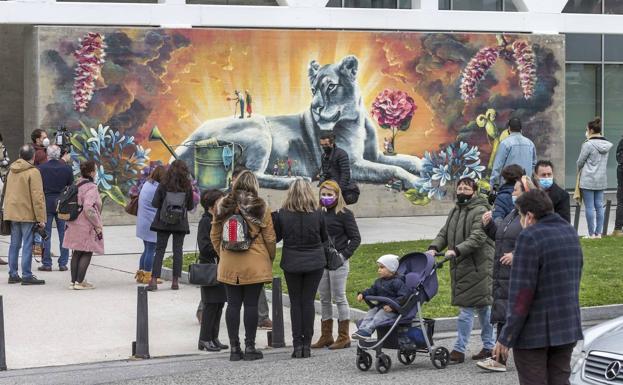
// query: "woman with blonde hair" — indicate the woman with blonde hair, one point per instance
point(342, 229)
point(244, 272)
point(300, 223)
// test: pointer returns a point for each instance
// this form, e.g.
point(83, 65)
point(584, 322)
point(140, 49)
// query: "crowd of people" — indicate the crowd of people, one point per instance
point(506, 259)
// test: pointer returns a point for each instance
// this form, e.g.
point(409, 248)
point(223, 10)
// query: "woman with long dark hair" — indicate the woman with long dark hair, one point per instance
point(244, 272)
point(173, 199)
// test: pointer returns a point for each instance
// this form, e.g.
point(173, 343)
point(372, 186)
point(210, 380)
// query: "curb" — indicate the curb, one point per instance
point(445, 324)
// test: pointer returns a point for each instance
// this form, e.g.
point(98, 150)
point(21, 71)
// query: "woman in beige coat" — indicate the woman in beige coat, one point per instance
point(244, 272)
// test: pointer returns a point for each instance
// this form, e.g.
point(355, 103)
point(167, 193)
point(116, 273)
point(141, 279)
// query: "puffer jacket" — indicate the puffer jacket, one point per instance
point(504, 201)
point(253, 265)
point(393, 288)
point(471, 270)
point(505, 232)
point(24, 200)
point(303, 237)
point(593, 163)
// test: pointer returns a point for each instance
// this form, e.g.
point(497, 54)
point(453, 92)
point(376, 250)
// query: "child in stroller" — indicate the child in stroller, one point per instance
point(390, 285)
point(403, 329)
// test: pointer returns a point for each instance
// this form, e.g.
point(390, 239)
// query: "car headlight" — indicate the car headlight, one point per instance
point(577, 357)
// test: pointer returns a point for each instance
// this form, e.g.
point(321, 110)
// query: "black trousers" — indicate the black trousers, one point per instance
point(162, 238)
point(302, 288)
point(238, 295)
point(211, 320)
point(545, 366)
point(618, 223)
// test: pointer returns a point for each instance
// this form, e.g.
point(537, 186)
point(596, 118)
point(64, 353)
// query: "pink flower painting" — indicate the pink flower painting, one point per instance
point(393, 110)
point(90, 58)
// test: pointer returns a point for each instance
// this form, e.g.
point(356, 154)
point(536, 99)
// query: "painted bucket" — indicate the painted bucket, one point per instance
point(209, 168)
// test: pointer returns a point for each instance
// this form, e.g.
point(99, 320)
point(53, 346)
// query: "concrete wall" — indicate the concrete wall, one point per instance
point(12, 87)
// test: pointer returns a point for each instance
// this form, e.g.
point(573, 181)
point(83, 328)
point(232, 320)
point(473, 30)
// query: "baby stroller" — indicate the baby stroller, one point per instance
point(406, 333)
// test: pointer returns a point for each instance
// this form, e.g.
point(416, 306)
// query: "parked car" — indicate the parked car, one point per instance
point(598, 359)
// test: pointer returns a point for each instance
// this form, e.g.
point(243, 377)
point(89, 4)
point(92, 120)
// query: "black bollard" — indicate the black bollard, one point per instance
point(277, 335)
point(2, 347)
point(140, 347)
point(576, 217)
point(607, 217)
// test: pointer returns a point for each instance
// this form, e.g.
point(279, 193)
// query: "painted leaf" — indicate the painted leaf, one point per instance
point(116, 195)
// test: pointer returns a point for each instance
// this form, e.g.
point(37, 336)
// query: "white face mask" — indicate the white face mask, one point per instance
point(46, 142)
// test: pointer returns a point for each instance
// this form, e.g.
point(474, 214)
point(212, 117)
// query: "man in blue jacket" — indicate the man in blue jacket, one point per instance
point(543, 320)
point(515, 149)
point(56, 175)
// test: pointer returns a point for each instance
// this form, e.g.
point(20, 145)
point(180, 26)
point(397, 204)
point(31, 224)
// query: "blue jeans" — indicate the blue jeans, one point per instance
point(465, 323)
point(375, 317)
point(21, 238)
point(594, 204)
point(60, 227)
point(146, 262)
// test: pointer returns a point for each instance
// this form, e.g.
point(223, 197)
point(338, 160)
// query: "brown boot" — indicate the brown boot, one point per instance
point(326, 338)
point(343, 335)
point(457, 357)
point(175, 284)
point(139, 276)
point(153, 285)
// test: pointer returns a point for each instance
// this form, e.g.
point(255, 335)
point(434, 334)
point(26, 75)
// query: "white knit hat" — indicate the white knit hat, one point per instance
point(390, 261)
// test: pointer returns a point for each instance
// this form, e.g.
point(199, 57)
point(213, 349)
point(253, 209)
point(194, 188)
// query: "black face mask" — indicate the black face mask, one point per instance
point(462, 198)
point(327, 149)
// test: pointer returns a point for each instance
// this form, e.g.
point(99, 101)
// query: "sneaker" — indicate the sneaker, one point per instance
point(3, 262)
point(62, 268)
point(71, 286)
point(84, 285)
point(32, 280)
point(361, 335)
point(15, 279)
point(457, 357)
point(44, 268)
point(617, 233)
point(484, 353)
point(491, 365)
point(597, 236)
point(267, 324)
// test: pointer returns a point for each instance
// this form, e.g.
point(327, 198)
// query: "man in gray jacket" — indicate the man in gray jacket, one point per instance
point(515, 149)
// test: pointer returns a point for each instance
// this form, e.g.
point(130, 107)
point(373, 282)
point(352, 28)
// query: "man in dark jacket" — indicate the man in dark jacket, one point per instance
point(336, 166)
point(543, 320)
point(544, 171)
point(40, 141)
point(56, 175)
point(618, 223)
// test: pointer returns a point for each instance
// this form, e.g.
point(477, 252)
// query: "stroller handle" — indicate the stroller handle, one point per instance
point(439, 265)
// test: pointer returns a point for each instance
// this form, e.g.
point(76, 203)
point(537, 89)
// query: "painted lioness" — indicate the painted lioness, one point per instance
point(336, 105)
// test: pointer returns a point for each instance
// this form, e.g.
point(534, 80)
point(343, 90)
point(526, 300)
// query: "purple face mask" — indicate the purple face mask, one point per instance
point(327, 201)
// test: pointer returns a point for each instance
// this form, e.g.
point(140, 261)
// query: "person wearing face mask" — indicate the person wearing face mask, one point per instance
point(503, 204)
point(335, 165)
point(592, 166)
point(343, 230)
point(504, 231)
point(544, 171)
point(40, 142)
point(543, 320)
point(470, 267)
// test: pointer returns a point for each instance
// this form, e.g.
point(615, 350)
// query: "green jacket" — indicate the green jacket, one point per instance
point(471, 271)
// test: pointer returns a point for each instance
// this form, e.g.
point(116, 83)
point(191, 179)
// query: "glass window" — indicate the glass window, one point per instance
point(444, 4)
point(231, 2)
point(613, 6)
point(477, 5)
point(371, 4)
point(613, 48)
point(335, 3)
point(404, 4)
point(613, 114)
point(583, 47)
point(583, 6)
point(509, 6)
point(582, 103)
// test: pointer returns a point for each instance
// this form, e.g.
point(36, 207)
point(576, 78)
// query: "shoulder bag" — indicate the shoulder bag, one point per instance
point(202, 274)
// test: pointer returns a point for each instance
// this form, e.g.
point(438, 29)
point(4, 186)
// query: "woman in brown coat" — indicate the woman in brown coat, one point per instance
point(244, 272)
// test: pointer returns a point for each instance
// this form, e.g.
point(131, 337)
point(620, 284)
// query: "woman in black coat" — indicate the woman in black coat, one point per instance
point(177, 180)
point(505, 232)
point(301, 226)
point(212, 297)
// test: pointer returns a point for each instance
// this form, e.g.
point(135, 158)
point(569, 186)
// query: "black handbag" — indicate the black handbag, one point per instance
point(5, 226)
point(334, 258)
point(203, 274)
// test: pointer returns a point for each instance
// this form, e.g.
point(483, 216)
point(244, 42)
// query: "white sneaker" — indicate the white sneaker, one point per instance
point(491, 365)
point(71, 286)
point(84, 285)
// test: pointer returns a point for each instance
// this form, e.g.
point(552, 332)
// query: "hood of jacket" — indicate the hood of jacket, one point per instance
point(20, 165)
point(474, 202)
point(601, 144)
point(87, 186)
point(251, 207)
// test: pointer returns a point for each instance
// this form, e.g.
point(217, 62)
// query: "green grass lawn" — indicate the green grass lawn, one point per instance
point(602, 282)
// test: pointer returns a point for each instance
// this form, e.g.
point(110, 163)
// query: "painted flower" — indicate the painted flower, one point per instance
point(393, 109)
point(90, 59)
point(442, 174)
point(103, 178)
point(476, 70)
point(526, 67)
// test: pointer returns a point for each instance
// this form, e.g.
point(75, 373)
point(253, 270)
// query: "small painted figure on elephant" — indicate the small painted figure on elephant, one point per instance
point(336, 105)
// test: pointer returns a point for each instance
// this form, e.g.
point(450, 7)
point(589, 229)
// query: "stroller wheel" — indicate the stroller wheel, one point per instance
point(383, 363)
point(364, 361)
point(406, 358)
point(440, 357)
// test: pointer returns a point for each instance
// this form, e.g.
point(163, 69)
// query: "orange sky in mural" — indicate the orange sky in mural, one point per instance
point(272, 65)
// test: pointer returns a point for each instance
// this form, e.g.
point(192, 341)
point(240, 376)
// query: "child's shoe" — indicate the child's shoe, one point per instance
point(362, 335)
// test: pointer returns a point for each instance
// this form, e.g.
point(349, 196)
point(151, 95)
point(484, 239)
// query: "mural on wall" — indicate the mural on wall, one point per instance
point(414, 111)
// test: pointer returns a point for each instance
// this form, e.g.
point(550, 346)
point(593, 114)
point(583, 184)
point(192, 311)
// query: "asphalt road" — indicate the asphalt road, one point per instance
point(325, 367)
